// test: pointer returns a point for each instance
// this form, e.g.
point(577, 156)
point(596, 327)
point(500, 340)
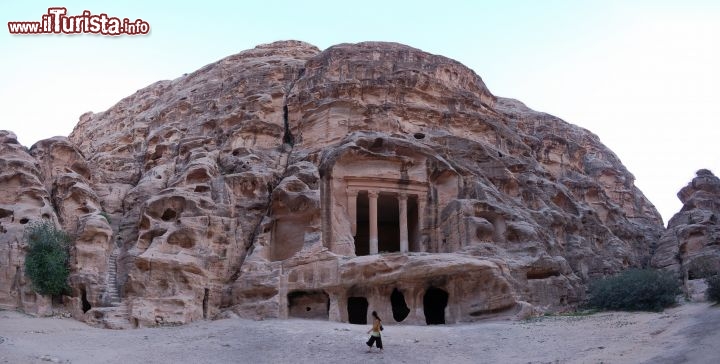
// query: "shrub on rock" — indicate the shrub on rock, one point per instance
point(46, 262)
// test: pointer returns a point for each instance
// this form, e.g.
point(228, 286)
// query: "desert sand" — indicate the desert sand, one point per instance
point(686, 333)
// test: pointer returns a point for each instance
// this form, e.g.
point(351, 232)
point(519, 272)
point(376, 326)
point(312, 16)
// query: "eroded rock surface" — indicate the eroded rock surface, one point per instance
point(23, 198)
point(691, 243)
point(286, 181)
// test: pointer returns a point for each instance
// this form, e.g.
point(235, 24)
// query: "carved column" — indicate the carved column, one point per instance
point(373, 197)
point(352, 210)
point(402, 199)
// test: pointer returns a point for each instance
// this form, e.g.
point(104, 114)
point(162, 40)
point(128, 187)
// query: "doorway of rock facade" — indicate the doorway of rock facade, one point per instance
point(434, 303)
point(357, 308)
point(400, 309)
point(362, 234)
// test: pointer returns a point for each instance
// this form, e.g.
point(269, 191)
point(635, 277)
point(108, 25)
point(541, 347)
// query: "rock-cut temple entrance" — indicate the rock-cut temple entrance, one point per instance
point(386, 222)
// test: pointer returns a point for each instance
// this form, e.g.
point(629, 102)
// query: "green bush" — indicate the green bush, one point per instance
point(46, 262)
point(635, 290)
point(713, 290)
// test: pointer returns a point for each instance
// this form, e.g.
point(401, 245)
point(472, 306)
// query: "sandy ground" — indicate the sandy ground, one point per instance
point(687, 333)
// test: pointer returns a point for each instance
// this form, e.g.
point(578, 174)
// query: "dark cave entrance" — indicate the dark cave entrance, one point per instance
point(400, 309)
point(83, 297)
point(357, 308)
point(309, 305)
point(434, 303)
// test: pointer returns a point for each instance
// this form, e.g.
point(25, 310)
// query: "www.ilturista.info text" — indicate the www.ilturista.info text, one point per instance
point(56, 21)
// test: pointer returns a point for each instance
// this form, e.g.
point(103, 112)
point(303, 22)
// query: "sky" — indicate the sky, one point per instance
point(642, 75)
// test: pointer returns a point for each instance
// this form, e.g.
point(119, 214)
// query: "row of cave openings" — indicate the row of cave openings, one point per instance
point(316, 305)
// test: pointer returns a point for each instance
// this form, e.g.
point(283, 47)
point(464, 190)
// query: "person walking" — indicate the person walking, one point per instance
point(375, 333)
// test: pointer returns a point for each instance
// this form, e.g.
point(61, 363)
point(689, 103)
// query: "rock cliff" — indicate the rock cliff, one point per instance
point(285, 181)
point(691, 243)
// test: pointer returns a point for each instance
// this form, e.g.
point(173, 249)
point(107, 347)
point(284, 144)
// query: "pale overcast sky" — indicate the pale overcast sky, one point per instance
point(642, 75)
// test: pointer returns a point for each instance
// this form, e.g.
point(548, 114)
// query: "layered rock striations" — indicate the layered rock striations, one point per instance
point(691, 243)
point(286, 181)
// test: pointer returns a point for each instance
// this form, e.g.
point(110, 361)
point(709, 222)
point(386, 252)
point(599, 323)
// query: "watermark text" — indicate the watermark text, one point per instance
point(56, 21)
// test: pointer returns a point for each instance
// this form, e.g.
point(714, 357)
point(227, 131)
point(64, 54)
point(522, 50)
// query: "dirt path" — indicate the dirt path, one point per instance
point(688, 333)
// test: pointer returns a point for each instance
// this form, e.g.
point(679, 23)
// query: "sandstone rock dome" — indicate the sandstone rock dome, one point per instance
point(285, 181)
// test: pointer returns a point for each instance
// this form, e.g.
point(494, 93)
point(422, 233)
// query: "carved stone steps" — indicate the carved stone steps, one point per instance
point(111, 290)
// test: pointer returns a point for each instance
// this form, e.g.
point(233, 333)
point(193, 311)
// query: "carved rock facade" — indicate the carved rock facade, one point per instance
point(288, 182)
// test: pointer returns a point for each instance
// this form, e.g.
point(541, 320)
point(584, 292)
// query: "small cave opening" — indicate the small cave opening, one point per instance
point(5, 213)
point(541, 274)
point(202, 188)
point(419, 136)
point(357, 308)
point(400, 309)
point(168, 215)
point(57, 300)
point(24, 220)
point(434, 302)
point(83, 297)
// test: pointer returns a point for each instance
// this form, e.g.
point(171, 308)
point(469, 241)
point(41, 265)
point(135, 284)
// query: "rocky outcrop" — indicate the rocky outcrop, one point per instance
point(197, 161)
point(67, 177)
point(288, 182)
point(23, 198)
point(691, 243)
point(50, 181)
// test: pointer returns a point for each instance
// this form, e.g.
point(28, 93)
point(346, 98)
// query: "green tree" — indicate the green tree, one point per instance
point(635, 290)
point(46, 262)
